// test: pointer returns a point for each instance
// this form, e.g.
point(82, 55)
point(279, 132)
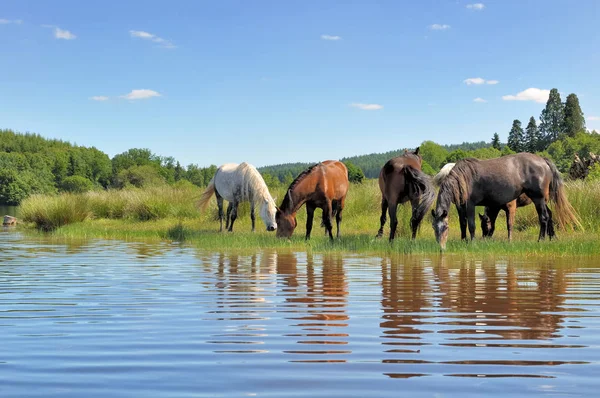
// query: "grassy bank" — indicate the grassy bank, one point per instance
point(169, 213)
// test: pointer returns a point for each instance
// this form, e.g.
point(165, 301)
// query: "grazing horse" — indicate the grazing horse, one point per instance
point(488, 218)
point(401, 180)
point(495, 182)
point(240, 183)
point(322, 185)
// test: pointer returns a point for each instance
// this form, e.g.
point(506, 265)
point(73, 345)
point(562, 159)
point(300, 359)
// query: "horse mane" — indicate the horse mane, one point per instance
point(285, 204)
point(456, 187)
point(252, 183)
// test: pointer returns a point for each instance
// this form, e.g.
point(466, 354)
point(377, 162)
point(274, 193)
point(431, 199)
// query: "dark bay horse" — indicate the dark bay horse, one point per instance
point(496, 182)
point(488, 218)
point(323, 185)
point(401, 180)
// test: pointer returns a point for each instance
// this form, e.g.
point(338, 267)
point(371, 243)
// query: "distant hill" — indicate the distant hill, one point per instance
point(370, 164)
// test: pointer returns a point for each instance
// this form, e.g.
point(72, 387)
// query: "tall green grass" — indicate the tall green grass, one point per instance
point(170, 213)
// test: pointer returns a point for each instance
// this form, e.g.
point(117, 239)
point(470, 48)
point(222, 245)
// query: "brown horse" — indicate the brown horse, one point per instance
point(323, 185)
point(488, 218)
point(495, 182)
point(401, 180)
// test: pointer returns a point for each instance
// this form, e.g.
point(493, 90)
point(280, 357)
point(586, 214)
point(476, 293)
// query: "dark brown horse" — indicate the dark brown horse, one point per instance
point(401, 180)
point(495, 182)
point(488, 218)
point(323, 185)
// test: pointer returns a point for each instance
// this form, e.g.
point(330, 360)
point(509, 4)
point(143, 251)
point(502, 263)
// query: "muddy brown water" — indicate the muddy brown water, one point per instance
point(116, 319)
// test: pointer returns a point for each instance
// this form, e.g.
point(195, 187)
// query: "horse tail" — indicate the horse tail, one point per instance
point(419, 186)
point(565, 213)
point(439, 177)
point(206, 195)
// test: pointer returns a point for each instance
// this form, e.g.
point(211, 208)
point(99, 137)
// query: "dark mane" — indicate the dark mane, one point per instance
point(285, 204)
point(456, 187)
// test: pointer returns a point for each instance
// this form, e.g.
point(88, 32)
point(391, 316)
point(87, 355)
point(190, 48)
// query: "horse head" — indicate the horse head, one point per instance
point(486, 224)
point(286, 223)
point(268, 211)
point(440, 226)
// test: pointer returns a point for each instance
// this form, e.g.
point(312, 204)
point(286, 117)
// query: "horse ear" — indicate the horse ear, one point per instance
point(445, 214)
point(481, 216)
point(289, 194)
point(417, 150)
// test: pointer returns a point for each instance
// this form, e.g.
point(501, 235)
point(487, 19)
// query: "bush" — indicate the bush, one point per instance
point(355, 173)
point(76, 184)
point(139, 177)
point(51, 212)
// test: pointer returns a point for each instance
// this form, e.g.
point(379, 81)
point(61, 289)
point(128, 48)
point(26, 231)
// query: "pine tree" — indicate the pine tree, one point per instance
point(532, 136)
point(179, 172)
point(552, 119)
point(496, 141)
point(574, 121)
point(515, 137)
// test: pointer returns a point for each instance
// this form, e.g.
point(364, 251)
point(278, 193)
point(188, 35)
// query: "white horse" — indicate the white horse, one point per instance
point(439, 177)
point(240, 183)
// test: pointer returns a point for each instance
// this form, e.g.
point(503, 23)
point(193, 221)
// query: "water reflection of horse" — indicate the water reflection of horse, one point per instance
point(495, 182)
point(238, 183)
point(515, 303)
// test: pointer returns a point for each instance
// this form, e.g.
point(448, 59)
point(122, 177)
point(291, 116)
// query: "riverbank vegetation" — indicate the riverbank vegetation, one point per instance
point(169, 213)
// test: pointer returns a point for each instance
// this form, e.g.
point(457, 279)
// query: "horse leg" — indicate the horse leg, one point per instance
point(510, 218)
point(541, 208)
point(415, 221)
point(462, 218)
point(229, 207)
point(392, 209)
point(338, 215)
point(382, 219)
point(220, 206)
point(471, 219)
point(327, 210)
point(550, 228)
point(252, 215)
point(234, 210)
point(310, 214)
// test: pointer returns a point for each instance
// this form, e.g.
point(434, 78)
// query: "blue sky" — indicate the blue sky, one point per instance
point(211, 82)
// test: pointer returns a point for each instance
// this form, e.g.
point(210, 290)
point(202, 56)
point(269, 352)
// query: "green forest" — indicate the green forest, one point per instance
point(31, 164)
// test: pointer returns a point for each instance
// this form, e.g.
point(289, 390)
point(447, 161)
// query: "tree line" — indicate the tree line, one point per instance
point(30, 164)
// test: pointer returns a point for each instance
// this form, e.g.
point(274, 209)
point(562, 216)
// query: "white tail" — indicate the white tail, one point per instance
point(206, 195)
point(439, 177)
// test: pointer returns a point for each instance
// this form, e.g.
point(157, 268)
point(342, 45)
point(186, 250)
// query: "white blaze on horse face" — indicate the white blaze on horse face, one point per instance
point(440, 227)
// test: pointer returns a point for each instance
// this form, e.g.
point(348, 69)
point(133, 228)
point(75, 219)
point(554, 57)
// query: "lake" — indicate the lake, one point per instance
point(118, 319)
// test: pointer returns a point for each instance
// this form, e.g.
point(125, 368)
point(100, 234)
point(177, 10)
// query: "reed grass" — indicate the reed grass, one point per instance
point(170, 213)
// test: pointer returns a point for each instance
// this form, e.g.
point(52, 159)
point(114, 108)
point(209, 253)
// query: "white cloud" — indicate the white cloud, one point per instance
point(479, 80)
point(10, 21)
point(437, 26)
point(329, 37)
point(60, 33)
point(63, 34)
point(593, 118)
point(531, 94)
point(140, 94)
point(476, 6)
point(479, 99)
point(149, 36)
point(99, 98)
point(367, 107)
